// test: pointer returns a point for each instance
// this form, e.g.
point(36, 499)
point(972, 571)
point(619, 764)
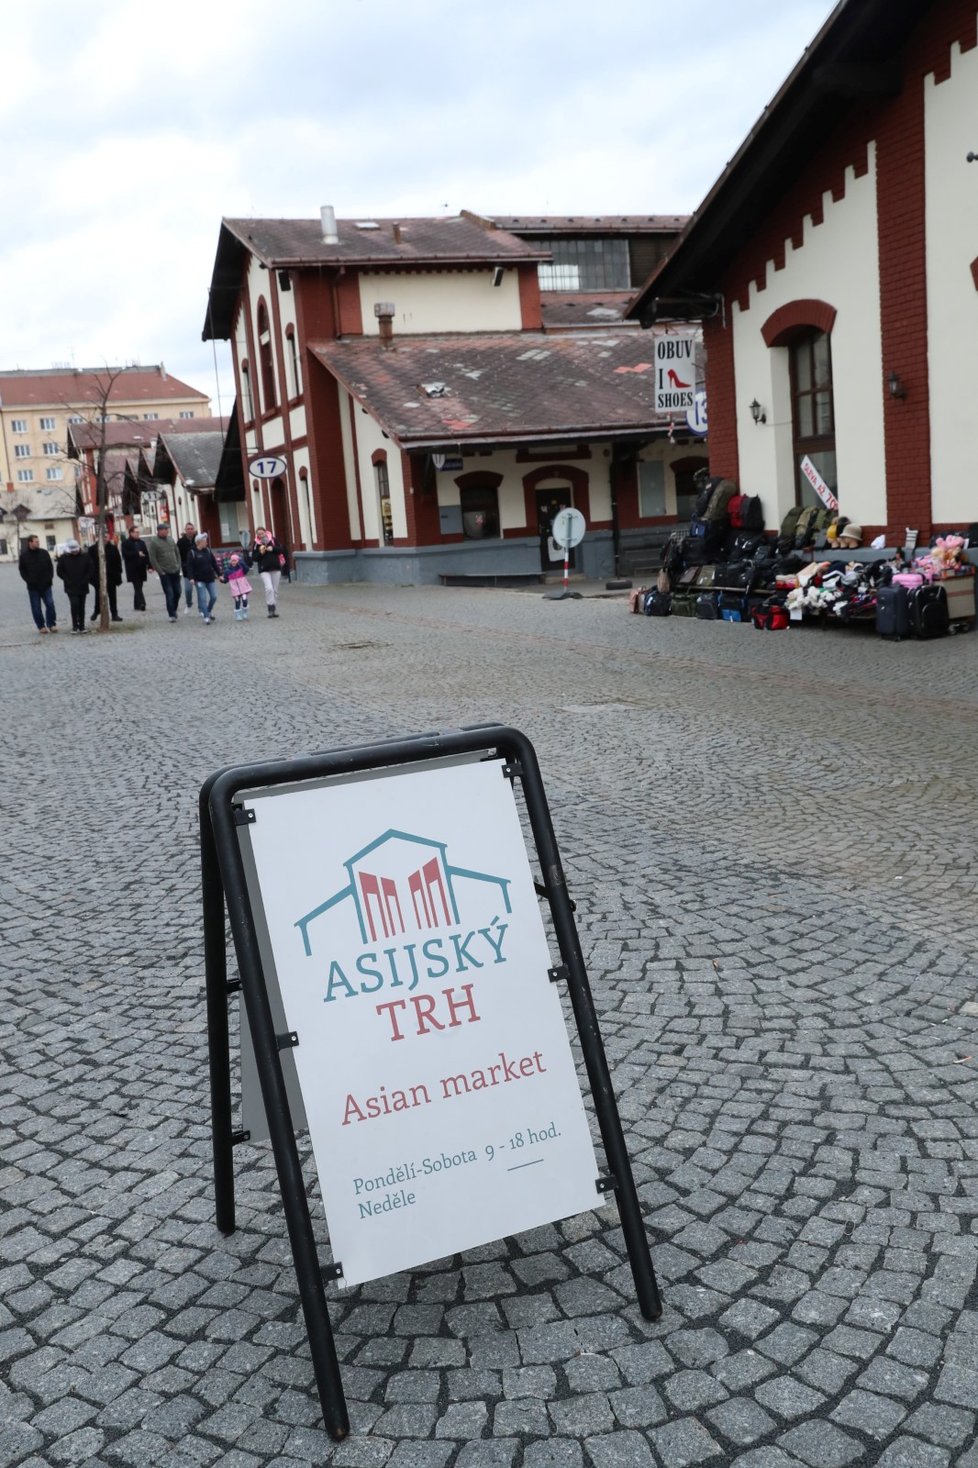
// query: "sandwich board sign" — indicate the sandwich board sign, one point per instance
point(433, 1060)
point(390, 941)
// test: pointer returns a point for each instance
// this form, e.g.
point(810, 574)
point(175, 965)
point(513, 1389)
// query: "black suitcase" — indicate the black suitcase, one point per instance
point(706, 606)
point(892, 612)
point(929, 616)
point(657, 603)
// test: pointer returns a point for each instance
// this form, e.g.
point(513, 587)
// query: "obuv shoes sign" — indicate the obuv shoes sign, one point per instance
point(433, 1057)
point(674, 363)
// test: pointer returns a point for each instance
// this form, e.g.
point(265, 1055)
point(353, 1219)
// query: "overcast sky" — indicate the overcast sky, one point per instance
point(129, 129)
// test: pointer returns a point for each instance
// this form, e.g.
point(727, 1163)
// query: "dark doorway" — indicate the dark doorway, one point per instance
point(548, 502)
point(280, 513)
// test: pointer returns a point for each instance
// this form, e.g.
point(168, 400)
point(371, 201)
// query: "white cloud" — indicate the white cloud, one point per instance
point(130, 132)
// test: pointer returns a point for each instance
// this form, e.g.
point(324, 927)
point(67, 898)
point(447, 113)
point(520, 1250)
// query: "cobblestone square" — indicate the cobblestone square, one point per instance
point(770, 843)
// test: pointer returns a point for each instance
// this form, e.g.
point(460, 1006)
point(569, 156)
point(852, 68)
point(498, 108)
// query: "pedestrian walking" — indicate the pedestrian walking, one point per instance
point(238, 585)
point(185, 545)
point(135, 557)
point(205, 572)
point(73, 569)
point(165, 561)
point(269, 557)
point(113, 578)
point(37, 570)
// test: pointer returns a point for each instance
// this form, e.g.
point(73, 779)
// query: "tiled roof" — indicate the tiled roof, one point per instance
point(142, 431)
point(563, 309)
point(434, 390)
point(457, 238)
point(577, 224)
point(57, 387)
point(195, 456)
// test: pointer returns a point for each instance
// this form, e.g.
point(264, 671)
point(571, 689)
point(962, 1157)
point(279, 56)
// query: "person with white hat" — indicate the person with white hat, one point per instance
point(73, 569)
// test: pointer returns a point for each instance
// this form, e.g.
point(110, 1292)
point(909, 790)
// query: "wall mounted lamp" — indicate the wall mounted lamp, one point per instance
point(757, 412)
point(894, 384)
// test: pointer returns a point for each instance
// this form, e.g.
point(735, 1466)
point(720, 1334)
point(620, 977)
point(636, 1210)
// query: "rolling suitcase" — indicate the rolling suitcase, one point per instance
point(893, 612)
point(706, 606)
point(929, 616)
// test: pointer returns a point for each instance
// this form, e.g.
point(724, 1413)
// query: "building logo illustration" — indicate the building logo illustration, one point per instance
point(401, 886)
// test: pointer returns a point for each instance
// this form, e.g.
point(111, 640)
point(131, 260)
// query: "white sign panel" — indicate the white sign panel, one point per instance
point(818, 484)
point(267, 467)
point(568, 527)
point(675, 371)
point(433, 1058)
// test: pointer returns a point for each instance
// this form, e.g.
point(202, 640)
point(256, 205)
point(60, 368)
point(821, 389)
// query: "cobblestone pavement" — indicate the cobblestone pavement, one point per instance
point(770, 842)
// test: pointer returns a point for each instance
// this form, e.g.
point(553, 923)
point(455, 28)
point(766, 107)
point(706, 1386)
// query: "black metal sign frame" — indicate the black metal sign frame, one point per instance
point(223, 882)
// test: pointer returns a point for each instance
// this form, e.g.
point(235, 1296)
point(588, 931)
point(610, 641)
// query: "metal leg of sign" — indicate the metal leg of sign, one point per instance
point(280, 1126)
point(218, 1050)
point(522, 752)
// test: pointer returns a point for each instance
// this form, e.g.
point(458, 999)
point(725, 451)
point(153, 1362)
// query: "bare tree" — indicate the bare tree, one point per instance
point(100, 394)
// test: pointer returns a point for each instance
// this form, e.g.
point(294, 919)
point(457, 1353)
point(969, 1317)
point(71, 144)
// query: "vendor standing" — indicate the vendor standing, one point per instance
point(135, 558)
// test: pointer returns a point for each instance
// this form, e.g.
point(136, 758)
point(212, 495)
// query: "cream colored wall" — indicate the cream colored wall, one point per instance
point(349, 465)
point(260, 284)
point(664, 452)
point(303, 495)
point(369, 440)
point(442, 300)
point(838, 263)
point(950, 132)
point(512, 501)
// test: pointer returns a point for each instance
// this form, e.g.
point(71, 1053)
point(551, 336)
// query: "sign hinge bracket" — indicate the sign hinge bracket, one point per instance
point(606, 1183)
point(513, 770)
point(287, 1041)
point(240, 1136)
point(559, 974)
point(543, 891)
point(244, 815)
point(333, 1271)
point(233, 986)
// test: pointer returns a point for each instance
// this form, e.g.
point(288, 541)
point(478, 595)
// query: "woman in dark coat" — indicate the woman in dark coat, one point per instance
point(268, 558)
point(135, 557)
point(113, 578)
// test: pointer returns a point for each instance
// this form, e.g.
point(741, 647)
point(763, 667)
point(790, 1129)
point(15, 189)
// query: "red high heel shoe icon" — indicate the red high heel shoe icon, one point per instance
point(674, 380)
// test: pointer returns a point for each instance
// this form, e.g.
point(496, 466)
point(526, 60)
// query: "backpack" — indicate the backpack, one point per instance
point(752, 514)
point(657, 603)
point(724, 492)
point(735, 509)
point(805, 529)
point(702, 501)
point(770, 616)
point(789, 524)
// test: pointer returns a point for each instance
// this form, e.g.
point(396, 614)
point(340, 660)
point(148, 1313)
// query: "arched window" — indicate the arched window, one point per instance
point(269, 396)
point(804, 329)
point(382, 486)
point(812, 411)
point(292, 362)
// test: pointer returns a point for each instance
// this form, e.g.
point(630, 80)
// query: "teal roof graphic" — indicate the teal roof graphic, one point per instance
point(399, 884)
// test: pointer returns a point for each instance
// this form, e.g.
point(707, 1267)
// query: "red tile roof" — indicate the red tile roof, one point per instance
point(141, 431)
point(563, 309)
point(457, 238)
point(59, 387)
point(519, 386)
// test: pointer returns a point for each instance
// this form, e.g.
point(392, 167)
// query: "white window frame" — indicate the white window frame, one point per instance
point(51, 450)
point(22, 450)
point(54, 471)
point(18, 425)
point(25, 476)
point(48, 425)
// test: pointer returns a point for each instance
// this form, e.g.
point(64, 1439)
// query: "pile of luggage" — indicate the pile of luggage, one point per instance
point(725, 566)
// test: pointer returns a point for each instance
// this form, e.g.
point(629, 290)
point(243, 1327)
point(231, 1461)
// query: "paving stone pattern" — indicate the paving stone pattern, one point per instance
point(770, 841)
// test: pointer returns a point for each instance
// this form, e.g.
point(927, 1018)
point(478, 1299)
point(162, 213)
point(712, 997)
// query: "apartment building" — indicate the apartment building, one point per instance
point(40, 484)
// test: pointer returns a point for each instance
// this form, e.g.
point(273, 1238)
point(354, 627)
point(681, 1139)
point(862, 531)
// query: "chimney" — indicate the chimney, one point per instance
point(328, 216)
point(384, 312)
point(397, 234)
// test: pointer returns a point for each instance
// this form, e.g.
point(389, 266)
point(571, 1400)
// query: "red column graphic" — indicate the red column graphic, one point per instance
point(422, 885)
point(385, 904)
point(389, 890)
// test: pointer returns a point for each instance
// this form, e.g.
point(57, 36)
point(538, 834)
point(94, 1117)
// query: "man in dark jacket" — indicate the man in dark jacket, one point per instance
point(135, 557)
point(185, 545)
point(73, 569)
point(113, 578)
point(36, 569)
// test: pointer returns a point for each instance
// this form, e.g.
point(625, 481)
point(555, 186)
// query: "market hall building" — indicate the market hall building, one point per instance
point(834, 265)
point(432, 408)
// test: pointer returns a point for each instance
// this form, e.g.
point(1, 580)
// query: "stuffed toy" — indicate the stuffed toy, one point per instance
point(944, 554)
